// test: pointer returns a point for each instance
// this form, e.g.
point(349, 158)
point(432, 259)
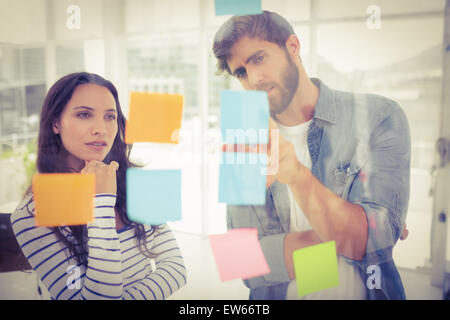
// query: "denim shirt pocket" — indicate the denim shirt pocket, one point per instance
point(345, 174)
point(346, 170)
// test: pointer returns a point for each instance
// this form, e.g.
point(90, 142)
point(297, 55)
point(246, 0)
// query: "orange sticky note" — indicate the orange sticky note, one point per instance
point(63, 199)
point(238, 254)
point(154, 117)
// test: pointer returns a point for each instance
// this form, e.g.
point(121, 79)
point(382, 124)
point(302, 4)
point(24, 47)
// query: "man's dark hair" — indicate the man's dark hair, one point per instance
point(268, 26)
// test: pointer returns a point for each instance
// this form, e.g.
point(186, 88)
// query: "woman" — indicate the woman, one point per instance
point(82, 130)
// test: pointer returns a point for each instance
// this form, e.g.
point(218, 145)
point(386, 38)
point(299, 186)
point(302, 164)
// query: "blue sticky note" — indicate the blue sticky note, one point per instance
point(153, 196)
point(241, 178)
point(237, 7)
point(244, 117)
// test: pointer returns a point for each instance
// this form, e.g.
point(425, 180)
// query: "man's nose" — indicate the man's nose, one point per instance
point(255, 78)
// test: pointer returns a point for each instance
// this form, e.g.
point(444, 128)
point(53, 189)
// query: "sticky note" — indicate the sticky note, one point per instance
point(244, 117)
point(241, 178)
point(154, 117)
point(316, 268)
point(237, 7)
point(153, 196)
point(63, 199)
point(238, 254)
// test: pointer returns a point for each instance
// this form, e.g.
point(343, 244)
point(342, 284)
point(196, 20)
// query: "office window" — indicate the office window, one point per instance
point(170, 64)
point(22, 90)
point(68, 59)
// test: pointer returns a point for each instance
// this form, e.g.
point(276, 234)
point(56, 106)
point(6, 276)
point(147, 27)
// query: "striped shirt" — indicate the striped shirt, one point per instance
point(116, 268)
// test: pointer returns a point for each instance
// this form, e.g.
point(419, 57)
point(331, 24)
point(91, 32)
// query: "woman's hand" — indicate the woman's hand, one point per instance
point(105, 175)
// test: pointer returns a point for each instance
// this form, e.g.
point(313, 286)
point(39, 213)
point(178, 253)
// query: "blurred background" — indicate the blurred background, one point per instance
point(395, 48)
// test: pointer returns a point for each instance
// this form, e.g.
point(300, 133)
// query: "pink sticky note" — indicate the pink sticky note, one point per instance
point(238, 254)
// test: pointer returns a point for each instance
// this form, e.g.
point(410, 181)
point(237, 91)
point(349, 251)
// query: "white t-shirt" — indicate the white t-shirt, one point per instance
point(351, 285)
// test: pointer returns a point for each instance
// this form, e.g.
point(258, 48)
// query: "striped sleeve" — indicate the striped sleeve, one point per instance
point(104, 271)
point(58, 269)
point(170, 273)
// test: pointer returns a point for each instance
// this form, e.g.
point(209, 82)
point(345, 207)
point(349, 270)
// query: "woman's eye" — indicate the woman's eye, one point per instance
point(83, 115)
point(111, 117)
point(259, 59)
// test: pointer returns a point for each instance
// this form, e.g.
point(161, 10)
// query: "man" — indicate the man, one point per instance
point(344, 167)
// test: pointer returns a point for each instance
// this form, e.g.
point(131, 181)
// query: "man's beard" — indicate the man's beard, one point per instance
point(288, 87)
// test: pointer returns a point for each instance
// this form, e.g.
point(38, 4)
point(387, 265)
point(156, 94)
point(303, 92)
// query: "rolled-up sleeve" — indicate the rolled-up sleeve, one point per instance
point(382, 186)
point(273, 249)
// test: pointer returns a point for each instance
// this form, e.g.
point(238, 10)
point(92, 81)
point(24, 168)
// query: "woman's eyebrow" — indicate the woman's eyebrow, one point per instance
point(92, 109)
point(84, 107)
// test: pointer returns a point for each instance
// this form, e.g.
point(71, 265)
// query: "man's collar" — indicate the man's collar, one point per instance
point(325, 105)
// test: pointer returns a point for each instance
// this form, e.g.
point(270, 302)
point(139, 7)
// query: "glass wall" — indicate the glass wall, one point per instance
point(165, 46)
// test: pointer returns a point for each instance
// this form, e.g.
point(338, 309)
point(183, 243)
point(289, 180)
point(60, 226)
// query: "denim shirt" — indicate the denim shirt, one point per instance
point(360, 149)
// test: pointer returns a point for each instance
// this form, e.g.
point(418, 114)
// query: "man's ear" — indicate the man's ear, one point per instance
point(293, 45)
point(55, 128)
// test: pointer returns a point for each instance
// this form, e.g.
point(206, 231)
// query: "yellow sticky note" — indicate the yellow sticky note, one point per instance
point(154, 117)
point(63, 199)
point(316, 268)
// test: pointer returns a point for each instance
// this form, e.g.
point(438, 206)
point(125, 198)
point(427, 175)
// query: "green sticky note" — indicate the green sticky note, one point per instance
point(316, 268)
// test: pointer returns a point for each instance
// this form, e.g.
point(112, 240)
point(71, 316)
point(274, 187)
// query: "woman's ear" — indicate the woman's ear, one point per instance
point(55, 128)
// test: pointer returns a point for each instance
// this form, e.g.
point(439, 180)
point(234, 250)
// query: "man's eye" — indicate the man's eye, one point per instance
point(259, 59)
point(241, 74)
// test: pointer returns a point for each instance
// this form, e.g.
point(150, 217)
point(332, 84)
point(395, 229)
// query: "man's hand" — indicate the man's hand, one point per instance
point(405, 233)
point(288, 165)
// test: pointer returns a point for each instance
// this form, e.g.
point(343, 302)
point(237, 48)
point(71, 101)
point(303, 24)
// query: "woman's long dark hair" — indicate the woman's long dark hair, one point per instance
point(52, 155)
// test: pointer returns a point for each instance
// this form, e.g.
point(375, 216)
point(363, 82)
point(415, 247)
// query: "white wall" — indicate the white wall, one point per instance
point(355, 8)
point(22, 21)
point(143, 16)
